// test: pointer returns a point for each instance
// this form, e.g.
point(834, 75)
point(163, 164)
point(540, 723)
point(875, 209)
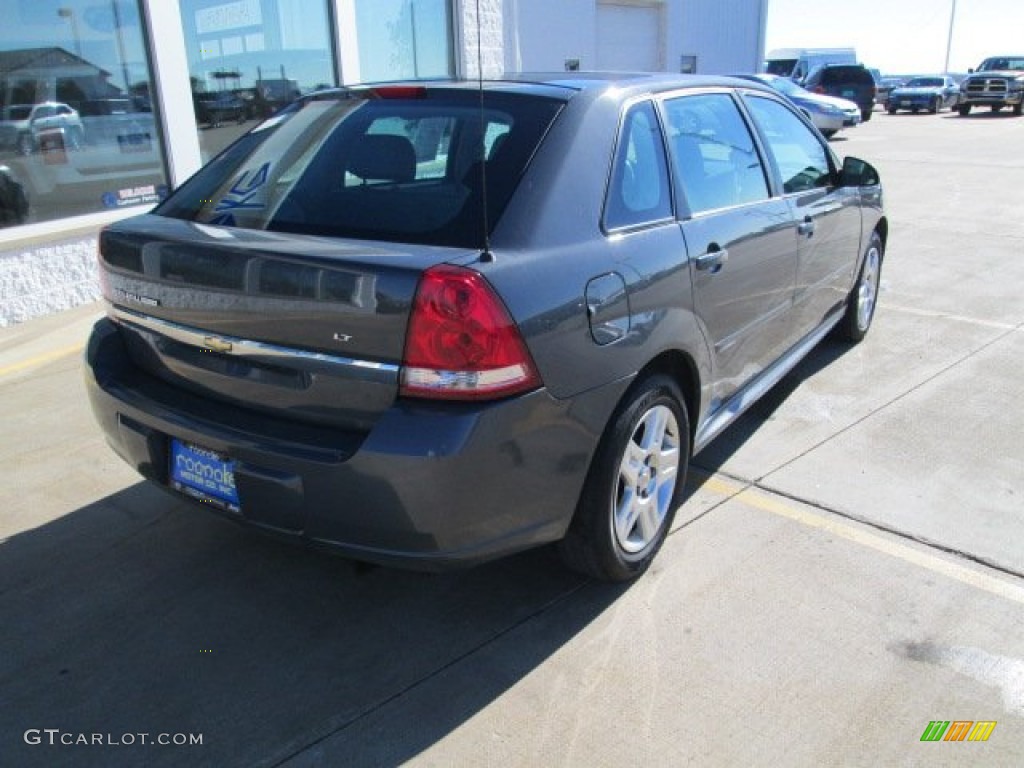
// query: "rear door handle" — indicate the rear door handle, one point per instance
point(806, 227)
point(713, 260)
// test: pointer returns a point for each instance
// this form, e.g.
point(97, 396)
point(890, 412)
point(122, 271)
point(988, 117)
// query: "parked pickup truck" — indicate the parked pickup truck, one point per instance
point(997, 83)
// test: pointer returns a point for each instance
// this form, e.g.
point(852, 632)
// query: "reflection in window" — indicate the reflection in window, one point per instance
point(713, 153)
point(403, 39)
point(249, 58)
point(801, 159)
point(77, 133)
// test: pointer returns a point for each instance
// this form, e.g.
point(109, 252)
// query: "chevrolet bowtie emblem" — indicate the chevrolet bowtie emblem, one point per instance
point(217, 345)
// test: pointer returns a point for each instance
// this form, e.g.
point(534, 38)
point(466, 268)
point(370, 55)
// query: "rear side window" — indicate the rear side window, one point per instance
point(639, 191)
point(713, 153)
point(396, 169)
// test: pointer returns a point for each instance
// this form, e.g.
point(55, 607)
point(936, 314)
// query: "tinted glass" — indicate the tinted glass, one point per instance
point(713, 153)
point(837, 75)
point(390, 169)
point(639, 192)
point(782, 67)
point(1013, 63)
point(801, 159)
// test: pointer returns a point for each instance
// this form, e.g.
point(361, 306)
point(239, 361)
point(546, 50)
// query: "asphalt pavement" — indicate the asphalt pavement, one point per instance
point(847, 570)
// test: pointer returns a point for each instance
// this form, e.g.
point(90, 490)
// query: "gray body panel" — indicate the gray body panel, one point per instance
point(301, 390)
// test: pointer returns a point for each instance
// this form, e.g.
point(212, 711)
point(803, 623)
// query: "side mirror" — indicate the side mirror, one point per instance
point(858, 173)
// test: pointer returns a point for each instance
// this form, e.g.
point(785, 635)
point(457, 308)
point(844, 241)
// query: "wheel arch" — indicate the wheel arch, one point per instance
point(681, 368)
point(882, 228)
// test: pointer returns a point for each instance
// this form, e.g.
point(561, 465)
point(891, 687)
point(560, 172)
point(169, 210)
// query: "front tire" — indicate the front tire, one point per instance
point(964, 110)
point(936, 105)
point(863, 299)
point(634, 486)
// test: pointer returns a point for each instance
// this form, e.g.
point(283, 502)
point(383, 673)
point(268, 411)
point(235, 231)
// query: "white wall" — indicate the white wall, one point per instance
point(488, 32)
point(725, 35)
point(551, 31)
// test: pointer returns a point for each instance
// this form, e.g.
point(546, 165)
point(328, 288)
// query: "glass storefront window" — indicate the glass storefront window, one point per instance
point(403, 39)
point(77, 133)
point(249, 58)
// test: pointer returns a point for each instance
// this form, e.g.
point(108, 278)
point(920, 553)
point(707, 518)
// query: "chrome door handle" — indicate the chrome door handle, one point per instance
point(713, 260)
point(806, 227)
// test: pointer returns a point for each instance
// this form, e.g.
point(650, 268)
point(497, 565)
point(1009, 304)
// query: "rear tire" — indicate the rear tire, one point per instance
point(634, 486)
point(891, 110)
point(863, 299)
point(26, 144)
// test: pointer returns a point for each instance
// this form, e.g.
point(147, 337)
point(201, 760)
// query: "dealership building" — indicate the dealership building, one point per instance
point(105, 105)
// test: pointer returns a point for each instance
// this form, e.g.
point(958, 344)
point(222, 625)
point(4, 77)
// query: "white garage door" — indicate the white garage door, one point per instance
point(629, 37)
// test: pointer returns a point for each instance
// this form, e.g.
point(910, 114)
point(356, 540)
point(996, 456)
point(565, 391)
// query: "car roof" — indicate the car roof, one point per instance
point(562, 85)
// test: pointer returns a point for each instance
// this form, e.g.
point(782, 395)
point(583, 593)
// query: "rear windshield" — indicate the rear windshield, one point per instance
point(835, 75)
point(781, 67)
point(18, 113)
point(396, 164)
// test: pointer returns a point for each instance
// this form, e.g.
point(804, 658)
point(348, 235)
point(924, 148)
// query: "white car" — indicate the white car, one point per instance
point(22, 124)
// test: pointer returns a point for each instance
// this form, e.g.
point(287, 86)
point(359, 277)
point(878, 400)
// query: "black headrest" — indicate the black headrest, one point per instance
point(383, 157)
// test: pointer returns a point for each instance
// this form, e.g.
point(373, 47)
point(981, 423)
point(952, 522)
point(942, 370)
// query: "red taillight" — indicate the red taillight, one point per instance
point(400, 92)
point(461, 343)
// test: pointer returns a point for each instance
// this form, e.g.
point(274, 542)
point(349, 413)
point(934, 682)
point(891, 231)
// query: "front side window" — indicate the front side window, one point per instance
point(801, 159)
point(639, 191)
point(713, 154)
point(77, 133)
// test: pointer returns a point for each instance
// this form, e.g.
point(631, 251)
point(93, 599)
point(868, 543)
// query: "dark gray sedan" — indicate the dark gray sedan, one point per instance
point(434, 323)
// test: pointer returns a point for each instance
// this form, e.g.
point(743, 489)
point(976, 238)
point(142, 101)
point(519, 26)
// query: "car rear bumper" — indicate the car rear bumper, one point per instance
point(430, 485)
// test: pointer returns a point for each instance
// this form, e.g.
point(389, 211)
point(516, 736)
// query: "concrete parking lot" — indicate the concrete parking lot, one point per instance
point(847, 569)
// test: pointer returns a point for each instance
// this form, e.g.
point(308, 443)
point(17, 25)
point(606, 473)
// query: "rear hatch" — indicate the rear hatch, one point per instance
point(281, 277)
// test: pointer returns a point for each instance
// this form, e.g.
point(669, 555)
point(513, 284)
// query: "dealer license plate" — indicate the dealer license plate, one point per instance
point(204, 474)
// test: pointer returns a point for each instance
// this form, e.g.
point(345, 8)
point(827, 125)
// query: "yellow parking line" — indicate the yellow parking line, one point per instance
point(43, 359)
point(758, 499)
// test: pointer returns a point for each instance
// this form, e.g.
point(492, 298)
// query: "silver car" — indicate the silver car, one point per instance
point(434, 323)
point(830, 114)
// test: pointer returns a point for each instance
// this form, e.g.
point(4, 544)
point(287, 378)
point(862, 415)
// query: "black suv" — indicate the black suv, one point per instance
point(847, 81)
point(216, 108)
